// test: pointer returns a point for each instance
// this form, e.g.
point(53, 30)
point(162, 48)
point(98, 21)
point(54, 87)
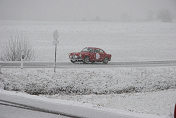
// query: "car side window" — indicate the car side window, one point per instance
point(101, 51)
point(84, 50)
point(97, 51)
point(90, 50)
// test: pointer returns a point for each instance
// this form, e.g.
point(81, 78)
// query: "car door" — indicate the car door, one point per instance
point(97, 55)
point(92, 54)
point(102, 54)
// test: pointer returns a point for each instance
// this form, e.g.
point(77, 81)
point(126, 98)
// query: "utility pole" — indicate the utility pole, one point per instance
point(55, 36)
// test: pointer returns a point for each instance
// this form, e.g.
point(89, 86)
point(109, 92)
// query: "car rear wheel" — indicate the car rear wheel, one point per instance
point(92, 62)
point(105, 61)
point(86, 60)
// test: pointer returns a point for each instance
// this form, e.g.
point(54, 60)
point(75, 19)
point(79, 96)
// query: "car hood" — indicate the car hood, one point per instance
point(78, 53)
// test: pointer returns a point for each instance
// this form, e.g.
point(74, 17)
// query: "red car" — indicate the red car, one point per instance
point(90, 55)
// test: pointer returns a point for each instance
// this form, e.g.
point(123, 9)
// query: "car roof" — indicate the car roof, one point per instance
point(93, 48)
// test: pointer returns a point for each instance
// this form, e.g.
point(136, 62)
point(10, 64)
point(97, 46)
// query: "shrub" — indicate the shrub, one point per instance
point(14, 48)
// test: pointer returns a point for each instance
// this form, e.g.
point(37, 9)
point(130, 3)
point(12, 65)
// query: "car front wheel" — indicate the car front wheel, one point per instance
point(105, 61)
point(86, 60)
point(73, 61)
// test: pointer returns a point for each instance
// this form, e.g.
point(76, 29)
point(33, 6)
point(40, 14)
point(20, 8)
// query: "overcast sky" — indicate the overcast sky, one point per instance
point(49, 10)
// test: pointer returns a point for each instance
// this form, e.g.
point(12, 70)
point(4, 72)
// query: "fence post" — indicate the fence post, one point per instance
point(22, 59)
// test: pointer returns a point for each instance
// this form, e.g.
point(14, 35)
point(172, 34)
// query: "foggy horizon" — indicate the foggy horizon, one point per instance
point(82, 10)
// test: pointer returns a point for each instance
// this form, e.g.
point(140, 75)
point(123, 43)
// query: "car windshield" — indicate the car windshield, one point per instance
point(87, 50)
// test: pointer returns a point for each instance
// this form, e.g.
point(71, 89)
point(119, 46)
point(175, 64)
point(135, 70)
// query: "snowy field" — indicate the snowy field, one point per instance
point(150, 90)
point(125, 41)
point(159, 102)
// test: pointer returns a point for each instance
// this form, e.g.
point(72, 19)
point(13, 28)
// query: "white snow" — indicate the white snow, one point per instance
point(74, 108)
point(159, 103)
point(142, 89)
point(89, 81)
point(125, 41)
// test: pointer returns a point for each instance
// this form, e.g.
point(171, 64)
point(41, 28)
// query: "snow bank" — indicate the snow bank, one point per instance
point(89, 81)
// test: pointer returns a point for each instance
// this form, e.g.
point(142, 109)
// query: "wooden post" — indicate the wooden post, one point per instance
point(21, 64)
point(22, 59)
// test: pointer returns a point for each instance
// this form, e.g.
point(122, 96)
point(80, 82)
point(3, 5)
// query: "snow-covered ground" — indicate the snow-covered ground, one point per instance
point(89, 81)
point(158, 103)
point(125, 41)
point(139, 89)
point(60, 106)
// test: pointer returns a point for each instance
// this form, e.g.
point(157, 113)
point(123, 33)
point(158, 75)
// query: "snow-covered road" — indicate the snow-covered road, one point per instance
point(96, 65)
point(13, 112)
point(57, 106)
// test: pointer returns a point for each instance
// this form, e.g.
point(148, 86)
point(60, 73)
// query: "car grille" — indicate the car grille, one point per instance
point(75, 57)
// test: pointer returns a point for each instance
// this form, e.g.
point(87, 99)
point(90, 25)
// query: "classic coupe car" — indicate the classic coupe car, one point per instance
point(90, 55)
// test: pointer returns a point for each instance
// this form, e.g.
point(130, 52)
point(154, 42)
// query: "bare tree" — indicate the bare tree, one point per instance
point(15, 47)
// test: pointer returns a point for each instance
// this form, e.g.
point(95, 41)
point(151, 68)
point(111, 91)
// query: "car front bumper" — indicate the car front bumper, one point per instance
point(75, 58)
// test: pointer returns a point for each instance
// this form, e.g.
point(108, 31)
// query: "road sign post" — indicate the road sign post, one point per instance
point(55, 36)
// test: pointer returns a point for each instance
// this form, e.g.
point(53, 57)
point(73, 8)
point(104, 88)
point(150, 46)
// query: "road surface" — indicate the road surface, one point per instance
point(9, 111)
point(20, 105)
point(95, 65)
